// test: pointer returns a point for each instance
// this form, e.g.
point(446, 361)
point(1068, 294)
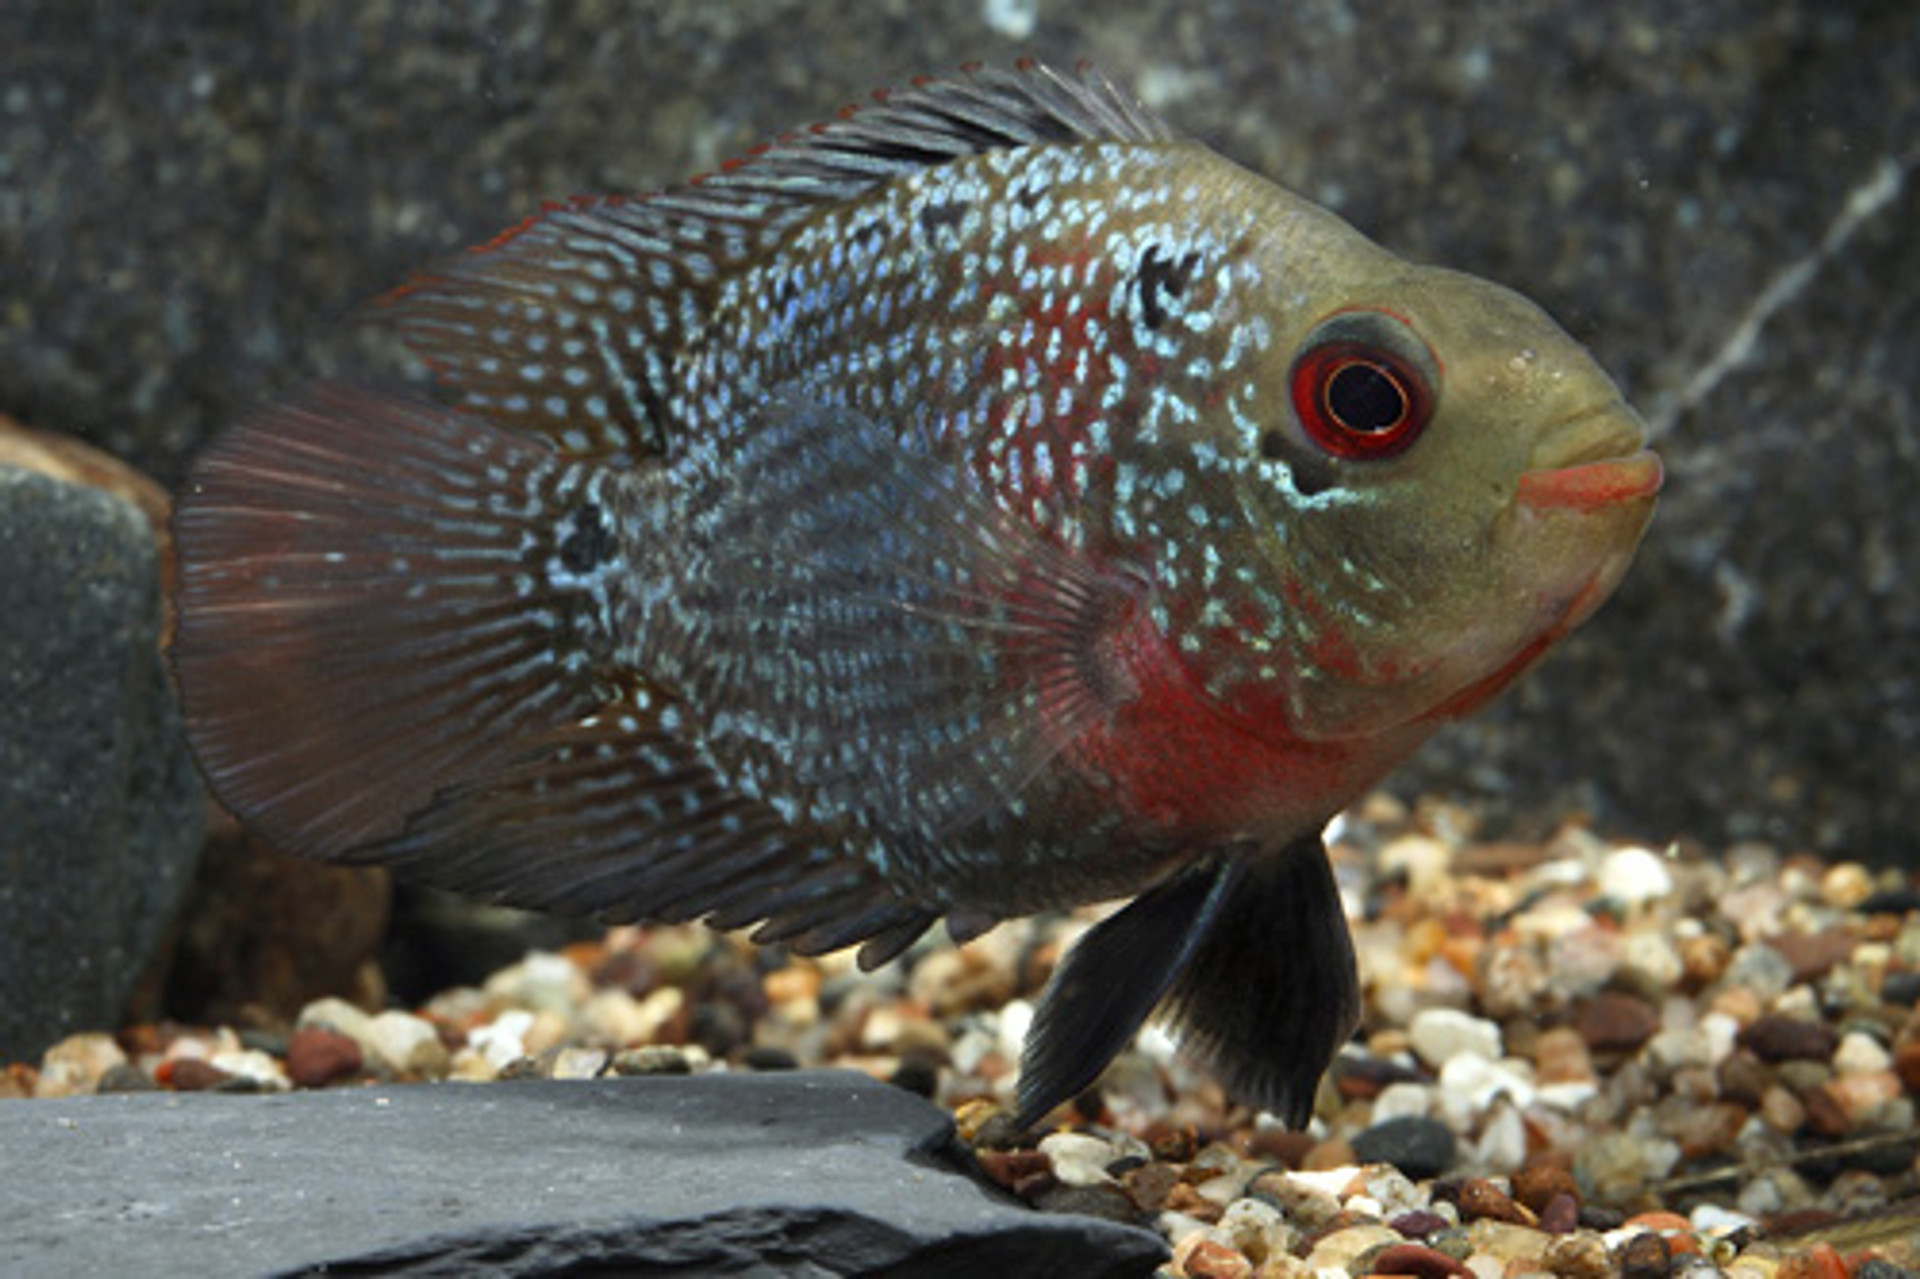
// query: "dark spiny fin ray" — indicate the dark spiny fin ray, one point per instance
point(366, 614)
point(567, 325)
point(890, 943)
point(615, 817)
point(1272, 992)
point(1110, 982)
point(870, 616)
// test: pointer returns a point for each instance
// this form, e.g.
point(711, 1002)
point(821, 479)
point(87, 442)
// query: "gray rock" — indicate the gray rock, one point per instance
point(820, 1174)
point(1418, 1146)
point(100, 808)
point(1718, 198)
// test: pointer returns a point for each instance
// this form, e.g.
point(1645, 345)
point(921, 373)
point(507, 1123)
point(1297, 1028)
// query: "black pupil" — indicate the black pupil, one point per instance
point(1365, 398)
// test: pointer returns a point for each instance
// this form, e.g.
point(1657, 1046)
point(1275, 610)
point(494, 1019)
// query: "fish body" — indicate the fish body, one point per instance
point(986, 502)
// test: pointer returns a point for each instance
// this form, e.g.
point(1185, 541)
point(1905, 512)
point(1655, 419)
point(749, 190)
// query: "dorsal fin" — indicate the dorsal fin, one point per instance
point(567, 324)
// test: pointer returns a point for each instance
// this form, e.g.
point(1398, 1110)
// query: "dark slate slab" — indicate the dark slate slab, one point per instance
point(100, 807)
point(814, 1173)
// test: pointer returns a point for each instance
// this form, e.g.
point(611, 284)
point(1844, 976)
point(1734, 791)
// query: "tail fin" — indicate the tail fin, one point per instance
point(374, 604)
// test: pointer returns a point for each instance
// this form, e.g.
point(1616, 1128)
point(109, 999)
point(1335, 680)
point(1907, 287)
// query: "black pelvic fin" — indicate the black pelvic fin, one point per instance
point(1273, 991)
point(1110, 981)
point(1256, 968)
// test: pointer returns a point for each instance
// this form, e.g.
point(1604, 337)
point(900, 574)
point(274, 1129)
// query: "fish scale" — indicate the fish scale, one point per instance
point(986, 501)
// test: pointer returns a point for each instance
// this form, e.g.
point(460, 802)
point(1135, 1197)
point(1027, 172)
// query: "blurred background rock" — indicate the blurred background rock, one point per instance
point(1718, 198)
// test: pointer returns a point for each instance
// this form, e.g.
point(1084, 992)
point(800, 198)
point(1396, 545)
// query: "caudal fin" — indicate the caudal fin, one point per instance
point(370, 610)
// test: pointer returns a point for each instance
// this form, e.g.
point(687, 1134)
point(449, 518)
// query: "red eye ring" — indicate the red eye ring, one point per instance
point(1359, 401)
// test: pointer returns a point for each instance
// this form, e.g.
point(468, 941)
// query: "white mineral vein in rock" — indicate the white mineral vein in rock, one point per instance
point(1881, 188)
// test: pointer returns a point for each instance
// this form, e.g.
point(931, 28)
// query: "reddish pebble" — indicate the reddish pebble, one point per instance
point(1007, 1167)
point(1537, 1184)
point(1906, 1063)
point(1482, 1200)
point(1561, 1215)
point(1419, 1223)
point(1416, 1259)
point(190, 1074)
point(1175, 1145)
point(1206, 1259)
point(317, 1056)
point(1818, 1262)
point(1615, 1022)
point(1671, 1226)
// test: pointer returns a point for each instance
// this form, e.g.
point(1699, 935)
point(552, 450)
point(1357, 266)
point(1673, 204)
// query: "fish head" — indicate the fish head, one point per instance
point(1442, 483)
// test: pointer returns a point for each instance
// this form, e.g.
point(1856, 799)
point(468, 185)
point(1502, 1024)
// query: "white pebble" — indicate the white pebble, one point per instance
point(1502, 1145)
point(1469, 1083)
point(251, 1063)
point(408, 1044)
point(1077, 1159)
point(1634, 876)
point(1860, 1054)
point(580, 1063)
point(504, 1039)
point(1257, 1229)
point(1397, 1101)
point(541, 981)
point(1440, 1034)
point(340, 1016)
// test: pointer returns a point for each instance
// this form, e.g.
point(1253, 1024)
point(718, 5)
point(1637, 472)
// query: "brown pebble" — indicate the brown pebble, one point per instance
point(1561, 1056)
point(1174, 1144)
point(1702, 960)
point(1149, 1185)
point(191, 1074)
point(1709, 1129)
point(1416, 1259)
point(1813, 955)
point(1775, 1037)
point(1561, 1216)
point(1743, 1078)
point(317, 1056)
point(1540, 1182)
point(1906, 1063)
point(1825, 1113)
point(1334, 1152)
point(1482, 1200)
point(1184, 1198)
point(1281, 1145)
point(1035, 1184)
point(1008, 1166)
point(1644, 1256)
point(1615, 1022)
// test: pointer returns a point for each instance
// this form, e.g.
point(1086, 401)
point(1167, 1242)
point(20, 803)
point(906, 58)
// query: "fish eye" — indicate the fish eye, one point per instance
point(1359, 398)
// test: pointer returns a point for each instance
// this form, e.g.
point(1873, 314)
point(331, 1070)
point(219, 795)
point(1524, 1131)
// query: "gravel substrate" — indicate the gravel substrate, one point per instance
point(1579, 1058)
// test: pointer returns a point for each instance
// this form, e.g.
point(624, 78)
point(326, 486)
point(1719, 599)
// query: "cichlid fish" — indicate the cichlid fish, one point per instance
point(986, 502)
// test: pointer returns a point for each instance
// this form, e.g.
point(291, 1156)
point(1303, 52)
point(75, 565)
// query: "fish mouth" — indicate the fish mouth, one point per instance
point(1590, 460)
